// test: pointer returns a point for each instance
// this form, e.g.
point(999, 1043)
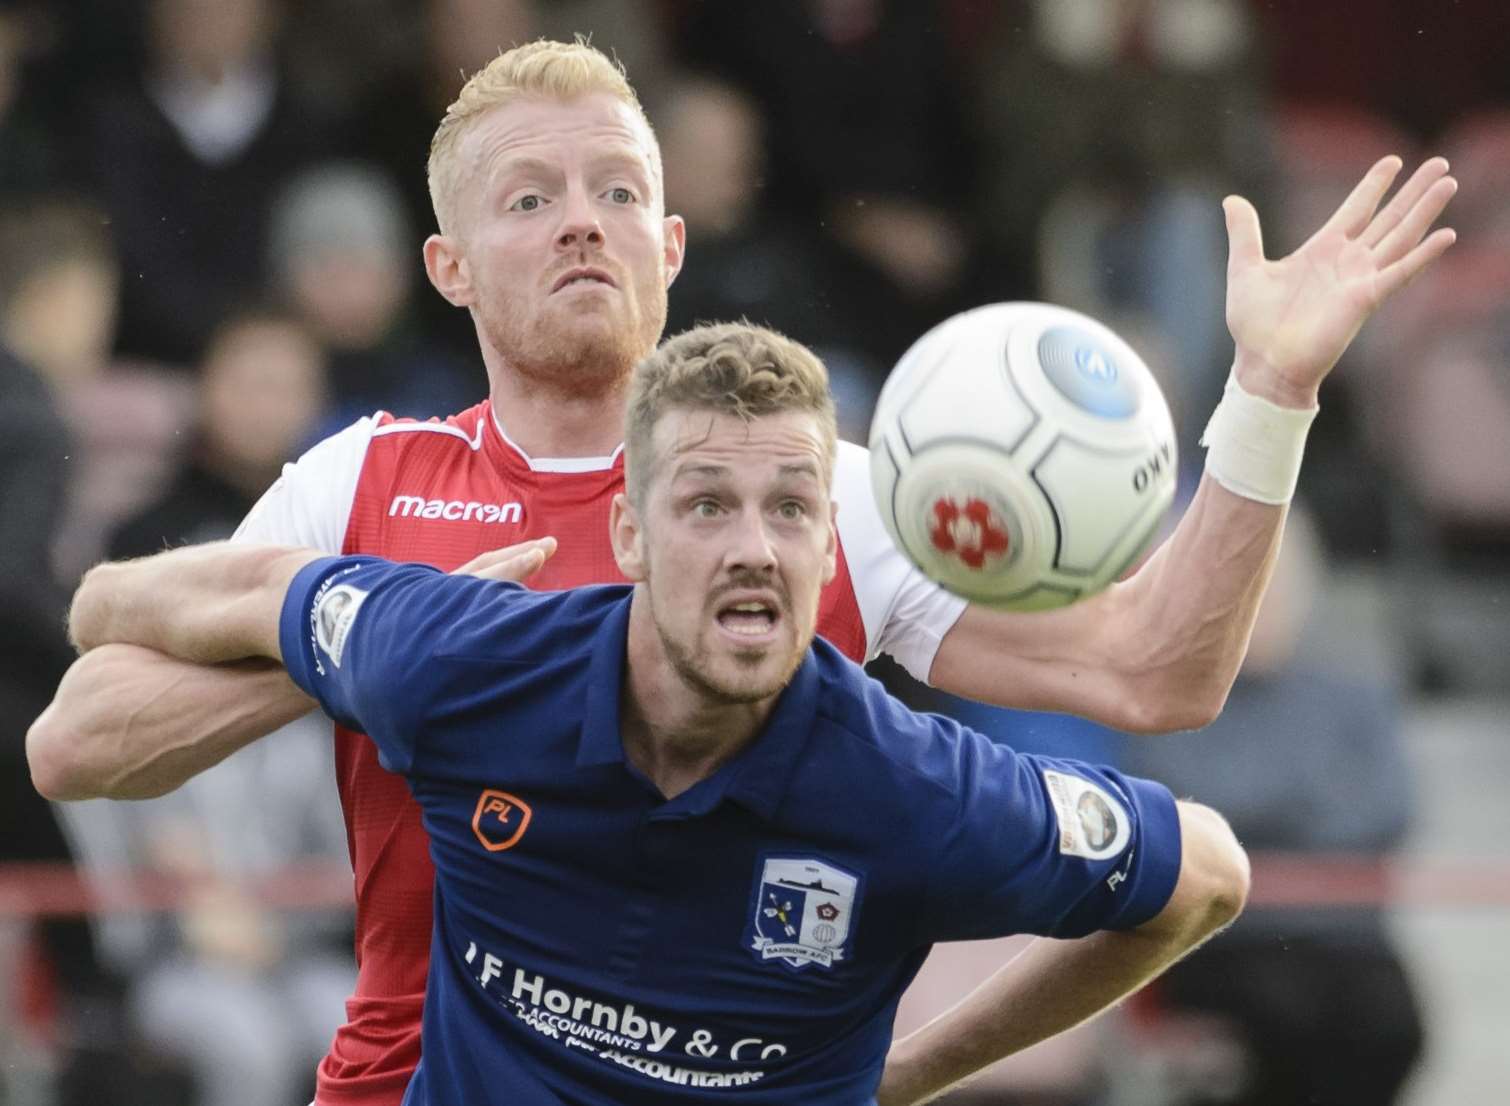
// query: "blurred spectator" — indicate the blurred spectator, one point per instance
point(261, 391)
point(339, 256)
point(83, 440)
point(1444, 409)
point(339, 51)
point(29, 163)
point(1478, 148)
point(395, 115)
point(1111, 133)
point(57, 309)
point(58, 281)
point(1310, 761)
point(186, 157)
point(868, 141)
point(740, 264)
point(635, 32)
point(1418, 62)
point(741, 261)
point(246, 997)
point(1439, 407)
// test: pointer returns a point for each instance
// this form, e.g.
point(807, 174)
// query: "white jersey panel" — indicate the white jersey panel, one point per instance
point(906, 614)
point(310, 504)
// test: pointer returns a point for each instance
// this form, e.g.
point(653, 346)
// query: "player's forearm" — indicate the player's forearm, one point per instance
point(1189, 611)
point(1194, 604)
point(1152, 654)
point(130, 723)
point(206, 603)
point(1050, 987)
point(1055, 985)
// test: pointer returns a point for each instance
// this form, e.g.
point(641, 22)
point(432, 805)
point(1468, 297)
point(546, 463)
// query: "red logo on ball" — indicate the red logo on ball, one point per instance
point(971, 533)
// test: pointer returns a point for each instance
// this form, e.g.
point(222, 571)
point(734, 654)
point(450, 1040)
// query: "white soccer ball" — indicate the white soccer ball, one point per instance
point(1022, 455)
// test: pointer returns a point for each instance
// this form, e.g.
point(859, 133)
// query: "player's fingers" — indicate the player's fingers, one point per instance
point(1245, 238)
point(515, 568)
point(1410, 193)
point(494, 557)
point(1402, 272)
point(516, 562)
point(1363, 201)
point(1416, 223)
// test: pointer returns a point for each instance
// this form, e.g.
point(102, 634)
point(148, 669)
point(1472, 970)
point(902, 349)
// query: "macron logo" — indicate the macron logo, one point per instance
point(456, 510)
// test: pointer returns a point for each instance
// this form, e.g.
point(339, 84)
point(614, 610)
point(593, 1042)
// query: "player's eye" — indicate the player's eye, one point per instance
point(620, 195)
point(791, 510)
point(706, 508)
point(532, 202)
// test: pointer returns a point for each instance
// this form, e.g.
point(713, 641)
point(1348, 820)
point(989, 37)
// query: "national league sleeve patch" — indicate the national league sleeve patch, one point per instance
point(335, 610)
point(1092, 823)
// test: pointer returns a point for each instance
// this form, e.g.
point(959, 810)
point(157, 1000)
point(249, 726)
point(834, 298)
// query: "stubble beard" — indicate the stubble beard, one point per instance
point(578, 361)
point(690, 664)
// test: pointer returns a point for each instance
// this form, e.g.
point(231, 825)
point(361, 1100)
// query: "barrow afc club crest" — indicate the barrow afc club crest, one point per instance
point(804, 911)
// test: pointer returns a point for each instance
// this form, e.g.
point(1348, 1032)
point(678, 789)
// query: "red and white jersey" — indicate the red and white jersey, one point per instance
point(442, 493)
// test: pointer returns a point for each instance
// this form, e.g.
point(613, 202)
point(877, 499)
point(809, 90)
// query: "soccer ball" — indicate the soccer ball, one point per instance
point(1022, 455)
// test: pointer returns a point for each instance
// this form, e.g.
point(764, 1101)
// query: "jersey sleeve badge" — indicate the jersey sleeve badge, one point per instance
point(1092, 824)
point(334, 613)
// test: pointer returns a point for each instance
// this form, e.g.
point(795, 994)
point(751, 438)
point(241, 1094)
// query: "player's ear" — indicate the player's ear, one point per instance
point(627, 537)
point(676, 246)
point(831, 553)
point(448, 269)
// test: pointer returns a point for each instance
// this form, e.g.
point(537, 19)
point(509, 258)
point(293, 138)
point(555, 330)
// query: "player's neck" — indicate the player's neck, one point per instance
point(673, 733)
point(545, 421)
point(678, 745)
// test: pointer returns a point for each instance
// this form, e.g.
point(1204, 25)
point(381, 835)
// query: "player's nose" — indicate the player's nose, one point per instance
point(750, 547)
point(579, 221)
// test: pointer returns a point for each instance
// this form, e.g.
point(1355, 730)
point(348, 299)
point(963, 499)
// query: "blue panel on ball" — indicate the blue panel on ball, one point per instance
point(1086, 372)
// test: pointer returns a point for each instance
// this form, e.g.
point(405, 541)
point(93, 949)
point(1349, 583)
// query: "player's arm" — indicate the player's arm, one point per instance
point(223, 602)
point(388, 649)
point(129, 721)
point(1054, 985)
point(206, 604)
point(132, 723)
point(1160, 650)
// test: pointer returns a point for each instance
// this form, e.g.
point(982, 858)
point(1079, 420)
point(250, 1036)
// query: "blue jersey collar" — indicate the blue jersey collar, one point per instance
point(757, 778)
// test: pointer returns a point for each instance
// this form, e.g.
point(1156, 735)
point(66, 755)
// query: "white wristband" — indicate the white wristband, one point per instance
point(1254, 447)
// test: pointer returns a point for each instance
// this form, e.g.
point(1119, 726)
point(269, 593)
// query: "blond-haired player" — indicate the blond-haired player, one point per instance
point(554, 237)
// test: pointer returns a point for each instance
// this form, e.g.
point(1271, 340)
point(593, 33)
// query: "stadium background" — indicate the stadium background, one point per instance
point(210, 214)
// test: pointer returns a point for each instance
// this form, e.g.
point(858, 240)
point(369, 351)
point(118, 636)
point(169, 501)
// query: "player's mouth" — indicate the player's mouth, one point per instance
point(749, 619)
point(582, 276)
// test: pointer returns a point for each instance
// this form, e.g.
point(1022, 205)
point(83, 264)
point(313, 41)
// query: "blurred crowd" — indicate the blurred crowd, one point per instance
point(211, 214)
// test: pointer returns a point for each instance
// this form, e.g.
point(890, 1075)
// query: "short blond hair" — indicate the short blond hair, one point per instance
point(543, 69)
point(725, 368)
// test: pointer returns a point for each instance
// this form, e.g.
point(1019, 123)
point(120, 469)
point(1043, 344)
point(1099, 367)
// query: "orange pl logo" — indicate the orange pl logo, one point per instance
point(500, 820)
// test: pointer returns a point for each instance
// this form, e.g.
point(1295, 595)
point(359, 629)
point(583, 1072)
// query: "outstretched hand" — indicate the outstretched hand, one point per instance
point(1292, 319)
point(513, 563)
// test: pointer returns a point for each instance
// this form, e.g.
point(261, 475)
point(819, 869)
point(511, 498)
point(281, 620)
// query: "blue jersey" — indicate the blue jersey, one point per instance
point(597, 944)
